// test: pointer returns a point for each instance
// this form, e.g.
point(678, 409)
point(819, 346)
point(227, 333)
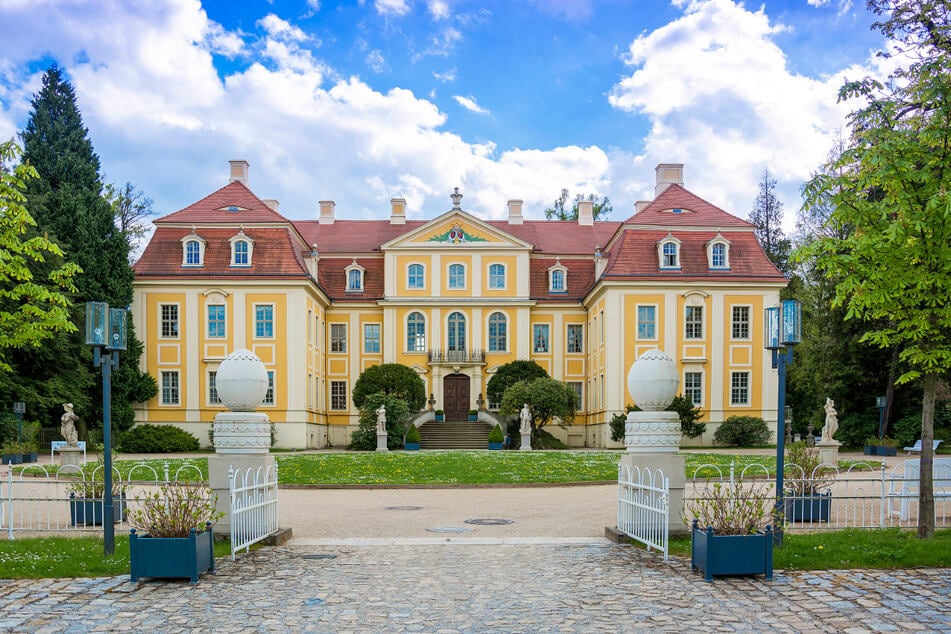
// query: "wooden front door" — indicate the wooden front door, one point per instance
point(455, 389)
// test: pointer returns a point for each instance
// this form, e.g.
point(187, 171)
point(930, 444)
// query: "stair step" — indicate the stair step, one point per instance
point(456, 434)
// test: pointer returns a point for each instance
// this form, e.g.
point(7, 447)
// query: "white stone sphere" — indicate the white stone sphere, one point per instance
point(241, 381)
point(653, 381)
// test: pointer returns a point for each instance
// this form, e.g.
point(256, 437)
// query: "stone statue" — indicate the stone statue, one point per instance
point(832, 420)
point(67, 426)
point(381, 419)
point(526, 419)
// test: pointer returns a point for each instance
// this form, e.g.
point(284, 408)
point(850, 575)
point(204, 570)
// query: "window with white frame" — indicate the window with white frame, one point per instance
point(338, 337)
point(578, 387)
point(740, 327)
point(241, 249)
point(740, 388)
point(416, 276)
point(497, 276)
point(264, 321)
point(415, 332)
point(718, 256)
point(647, 322)
point(170, 387)
point(575, 338)
point(693, 323)
point(217, 327)
point(193, 253)
point(498, 335)
point(355, 274)
point(558, 278)
point(693, 387)
point(338, 395)
point(456, 331)
point(457, 276)
point(168, 314)
point(213, 398)
point(669, 252)
point(371, 338)
point(540, 338)
point(269, 395)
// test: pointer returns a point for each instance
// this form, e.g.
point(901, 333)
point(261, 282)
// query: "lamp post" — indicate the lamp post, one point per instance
point(783, 331)
point(881, 402)
point(106, 333)
point(19, 409)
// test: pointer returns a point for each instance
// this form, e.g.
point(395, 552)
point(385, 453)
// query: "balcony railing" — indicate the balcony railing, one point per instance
point(457, 356)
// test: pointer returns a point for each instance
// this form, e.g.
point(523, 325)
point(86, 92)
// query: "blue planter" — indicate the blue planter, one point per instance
point(171, 557)
point(473, 418)
point(440, 417)
point(89, 511)
point(495, 445)
point(12, 458)
point(716, 555)
point(412, 446)
point(808, 508)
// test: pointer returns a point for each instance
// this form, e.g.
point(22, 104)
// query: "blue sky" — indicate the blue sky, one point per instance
point(362, 101)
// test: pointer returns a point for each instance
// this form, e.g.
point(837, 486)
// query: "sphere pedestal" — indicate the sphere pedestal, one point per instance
point(652, 440)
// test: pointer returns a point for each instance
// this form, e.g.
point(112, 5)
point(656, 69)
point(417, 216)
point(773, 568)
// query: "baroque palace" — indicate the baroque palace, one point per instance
point(453, 298)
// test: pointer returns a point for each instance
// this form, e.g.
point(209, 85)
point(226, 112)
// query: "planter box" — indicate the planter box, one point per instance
point(411, 446)
point(495, 445)
point(171, 557)
point(440, 417)
point(880, 450)
point(716, 555)
point(89, 511)
point(473, 418)
point(808, 508)
point(12, 458)
point(29, 457)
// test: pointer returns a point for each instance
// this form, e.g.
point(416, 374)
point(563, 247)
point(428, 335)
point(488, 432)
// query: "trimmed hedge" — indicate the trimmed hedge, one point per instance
point(157, 439)
point(742, 431)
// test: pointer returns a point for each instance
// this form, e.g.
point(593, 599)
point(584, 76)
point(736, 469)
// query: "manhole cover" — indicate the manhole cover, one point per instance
point(490, 521)
point(402, 508)
point(318, 556)
point(449, 529)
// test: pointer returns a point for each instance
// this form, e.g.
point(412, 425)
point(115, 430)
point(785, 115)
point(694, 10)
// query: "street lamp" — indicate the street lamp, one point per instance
point(881, 402)
point(783, 331)
point(106, 333)
point(19, 409)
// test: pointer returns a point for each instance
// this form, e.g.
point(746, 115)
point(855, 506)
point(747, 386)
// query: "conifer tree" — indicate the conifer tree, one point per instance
point(767, 215)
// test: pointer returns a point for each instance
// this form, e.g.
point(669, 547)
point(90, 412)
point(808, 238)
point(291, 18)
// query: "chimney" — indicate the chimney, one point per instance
point(586, 212)
point(239, 172)
point(668, 174)
point(271, 203)
point(326, 212)
point(397, 211)
point(515, 212)
point(641, 205)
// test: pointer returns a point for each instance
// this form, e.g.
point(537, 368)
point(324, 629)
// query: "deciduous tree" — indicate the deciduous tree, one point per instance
point(558, 210)
point(546, 397)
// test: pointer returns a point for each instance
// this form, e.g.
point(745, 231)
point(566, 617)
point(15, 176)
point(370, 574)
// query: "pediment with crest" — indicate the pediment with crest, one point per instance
point(456, 229)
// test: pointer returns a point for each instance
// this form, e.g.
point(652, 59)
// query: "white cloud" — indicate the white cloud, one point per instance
point(281, 29)
point(396, 8)
point(448, 76)
point(439, 9)
point(469, 103)
point(375, 61)
point(721, 98)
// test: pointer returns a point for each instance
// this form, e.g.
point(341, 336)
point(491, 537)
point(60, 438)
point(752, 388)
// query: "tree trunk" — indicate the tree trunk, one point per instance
point(926, 473)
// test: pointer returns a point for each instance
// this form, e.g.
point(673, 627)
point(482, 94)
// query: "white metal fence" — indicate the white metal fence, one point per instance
point(643, 510)
point(253, 506)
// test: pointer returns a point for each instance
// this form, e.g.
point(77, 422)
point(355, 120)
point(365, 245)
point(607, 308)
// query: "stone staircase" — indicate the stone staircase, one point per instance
point(454, 434)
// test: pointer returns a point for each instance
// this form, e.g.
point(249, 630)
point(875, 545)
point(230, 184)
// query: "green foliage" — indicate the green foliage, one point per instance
point(802, 473)
point(150, 438)
point(767, 215)
point(34, 306)
point(602, 207)
point(618, 426)
point(394, 379)
point(742, 431)
point(855, 427)
point(689, 415)
point(412, 434)
point(547, 398)
point(731, 508)
point(496, 434)
point(175, 509)
point(875, 441)
point(907, 430)
point(509, 374)
point(397, 414)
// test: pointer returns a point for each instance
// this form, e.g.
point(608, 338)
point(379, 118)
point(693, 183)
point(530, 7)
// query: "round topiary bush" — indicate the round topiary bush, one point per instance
point(156, 439)
point(742, 431)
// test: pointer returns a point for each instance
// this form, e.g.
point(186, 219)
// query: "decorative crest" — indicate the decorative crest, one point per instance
point(456, 199)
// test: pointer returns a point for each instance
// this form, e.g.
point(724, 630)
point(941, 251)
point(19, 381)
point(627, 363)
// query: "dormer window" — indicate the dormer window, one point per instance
point(558, 278)
point(355, 274)
point(241, 249)
point(718, 253)
point(669, 252)
point(193, 250)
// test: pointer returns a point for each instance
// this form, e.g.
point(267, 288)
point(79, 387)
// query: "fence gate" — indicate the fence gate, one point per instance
point(253, 506)
point(643, 506)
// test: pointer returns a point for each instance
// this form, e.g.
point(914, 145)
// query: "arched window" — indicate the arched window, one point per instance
point(718, 253)
point(241, 249)
point(193, 253)
point(415, 332)
point(498, 340)
point(457, 276)
point(668, 251)
point(557, 281)
point(456, 333)
point(497, 276)
point(355, 274)
point(415, 276)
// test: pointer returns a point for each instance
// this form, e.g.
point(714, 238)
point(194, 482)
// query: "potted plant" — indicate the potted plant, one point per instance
point(496, 438)
point(11, 453)
point(730, 530)
point(440, 416)
point(807, 496)
point(29, 451)
point(473, 415)
point(179, 541)
point(87, 502)
point(412, 438)
point(886, 446)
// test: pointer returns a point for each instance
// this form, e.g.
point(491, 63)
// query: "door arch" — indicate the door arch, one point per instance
point(455, 389)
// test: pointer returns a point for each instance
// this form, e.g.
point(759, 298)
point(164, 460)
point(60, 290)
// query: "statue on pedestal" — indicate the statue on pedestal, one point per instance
point(832, 420)
point(381, 419)
point(67, 426)
point(525, 416)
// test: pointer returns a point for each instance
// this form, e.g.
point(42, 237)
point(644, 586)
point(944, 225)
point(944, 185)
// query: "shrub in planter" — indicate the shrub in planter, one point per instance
point(178, 541)
point(881, 446)
point(11, 453)
point(807, 484)
point(412, 438)
point(742, 431)
point(731, 532)
point(150, 438)
point(473, 415)
point(87, 498)
point(496, 438)
point(440, 415)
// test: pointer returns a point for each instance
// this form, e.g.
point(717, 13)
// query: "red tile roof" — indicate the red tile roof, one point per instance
point(214, 208)
point(580, 279)
point(332, 276)
point(695, 211)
